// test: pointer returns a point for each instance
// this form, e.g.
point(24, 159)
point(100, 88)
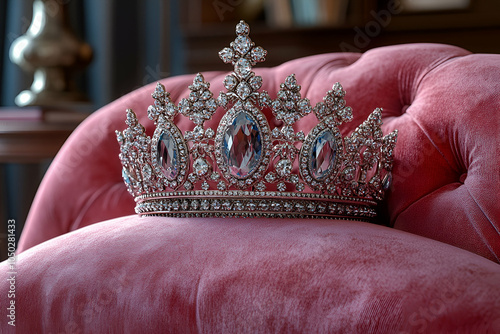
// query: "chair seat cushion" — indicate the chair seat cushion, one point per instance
point(232, 275)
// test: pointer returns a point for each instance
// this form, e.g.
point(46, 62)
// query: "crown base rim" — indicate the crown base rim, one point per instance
point(268, 207)
point(222, 214)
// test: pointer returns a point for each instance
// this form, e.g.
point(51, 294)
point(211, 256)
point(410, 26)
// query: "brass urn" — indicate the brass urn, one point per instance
point(51, 51)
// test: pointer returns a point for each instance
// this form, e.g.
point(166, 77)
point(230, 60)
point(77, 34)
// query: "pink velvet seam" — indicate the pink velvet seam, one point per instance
point(168, 275)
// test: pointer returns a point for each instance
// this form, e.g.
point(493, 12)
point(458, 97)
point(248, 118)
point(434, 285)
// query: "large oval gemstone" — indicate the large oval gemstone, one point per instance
point(242, 145)
point(168, 156)
point(323, 154)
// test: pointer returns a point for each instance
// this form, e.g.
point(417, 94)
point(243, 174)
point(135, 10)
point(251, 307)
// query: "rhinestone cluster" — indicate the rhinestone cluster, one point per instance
point(247, 168)
point(248, 203)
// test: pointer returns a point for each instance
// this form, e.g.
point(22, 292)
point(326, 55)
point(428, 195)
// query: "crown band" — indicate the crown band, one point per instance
point(245, 168)
point(202, 203)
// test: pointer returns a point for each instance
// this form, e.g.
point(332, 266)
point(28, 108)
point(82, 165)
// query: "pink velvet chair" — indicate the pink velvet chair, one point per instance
point(87, 264)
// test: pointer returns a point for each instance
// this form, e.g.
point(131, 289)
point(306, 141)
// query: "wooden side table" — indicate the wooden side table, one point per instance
point(33, 139)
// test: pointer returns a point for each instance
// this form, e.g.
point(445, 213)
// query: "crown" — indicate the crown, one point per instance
point(247, 168)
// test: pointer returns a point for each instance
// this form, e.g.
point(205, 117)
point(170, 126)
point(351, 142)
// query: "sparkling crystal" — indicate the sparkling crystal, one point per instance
point(256, 82)
point(251, 206)
point(243, 90)
point(198, 105)
point(226, 205)
point(347, 114)
point(291, 82)
point(264, 206)
point(221, 186)
point(300, 136)
point(215, 204)
point(299, 207)
point(332, 208)
point(205, 95)
point(184, 106)
point(304, 106)
point(193, 96)
point(242, 145)
point(276, 105)
point(337, 89)
point(271, 177)
point(209, 133)
point(311, 207)
point(349, 173)
point(265, 99)
point(168, 156)
point(146, 171)
point(281, 186)
point(300, 186)
point(200, 166)
point(238, 206)
point(226, 55)
point(288, 206)
point(126, 176)
point(205, 185)
point(258, 54)
point(321, 208)
point(205, 204)
point(242, 44)
point(282, 94)
point(211, 105)
point(288, 132)
point(195, 204)
point(276, 133)
point(198, 132)
point(284, 167)
point(192, 177)
point(323, 154)
point(260, 186)
point(230, 82)
point(242, 28)
point(276, 206)
point(222, 99)
point(242, 67)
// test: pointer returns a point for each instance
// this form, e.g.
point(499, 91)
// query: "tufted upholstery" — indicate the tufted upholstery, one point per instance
point(444, 100)
point(87, 264)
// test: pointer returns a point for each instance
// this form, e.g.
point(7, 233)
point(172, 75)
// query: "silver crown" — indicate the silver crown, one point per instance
point(245, 168)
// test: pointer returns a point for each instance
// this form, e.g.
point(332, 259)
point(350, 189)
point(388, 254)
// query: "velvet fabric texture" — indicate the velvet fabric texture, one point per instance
point(83, 269)
point(168, 275)
point(442, 99)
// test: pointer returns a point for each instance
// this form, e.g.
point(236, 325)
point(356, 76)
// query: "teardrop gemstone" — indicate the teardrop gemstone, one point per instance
point(126, 176)
point(323, 153)
point(242, 145)
point(168, 156)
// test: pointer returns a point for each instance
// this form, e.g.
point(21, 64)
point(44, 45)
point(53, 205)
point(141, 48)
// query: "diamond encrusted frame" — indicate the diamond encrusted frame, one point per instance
point(305, 156)
point(181, 149)
point(239, 203)
point(266, 144)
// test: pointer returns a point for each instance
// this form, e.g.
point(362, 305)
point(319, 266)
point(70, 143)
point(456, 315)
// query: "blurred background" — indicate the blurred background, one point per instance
point(135, 42)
